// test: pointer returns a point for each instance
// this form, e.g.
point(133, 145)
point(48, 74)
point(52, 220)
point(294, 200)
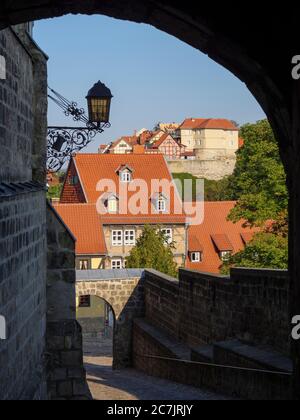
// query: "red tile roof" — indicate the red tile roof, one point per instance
point(93, 168)
point(222, 242)
point(208, 123)
point(160, 141)
point(247, 236)
point(192, 123)
point(216, 232)
point(194, 244)
point(84, 223)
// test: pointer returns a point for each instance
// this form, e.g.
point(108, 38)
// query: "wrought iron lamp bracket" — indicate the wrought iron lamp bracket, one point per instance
point(63, 142)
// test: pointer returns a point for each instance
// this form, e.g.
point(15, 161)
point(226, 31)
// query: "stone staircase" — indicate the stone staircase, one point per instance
point(232, 367)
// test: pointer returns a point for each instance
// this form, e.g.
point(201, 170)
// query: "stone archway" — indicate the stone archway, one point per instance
point(254, 44)
point(125, 295)
point(225, 35)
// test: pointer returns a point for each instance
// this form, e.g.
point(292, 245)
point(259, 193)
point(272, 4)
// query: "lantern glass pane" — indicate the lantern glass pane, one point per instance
point(99, 110)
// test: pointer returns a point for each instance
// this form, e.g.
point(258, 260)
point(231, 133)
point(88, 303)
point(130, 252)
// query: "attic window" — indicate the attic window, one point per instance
point(126, 177)
point(112, 205)
point(161, 205)
point(225, 255)
point(196, 257)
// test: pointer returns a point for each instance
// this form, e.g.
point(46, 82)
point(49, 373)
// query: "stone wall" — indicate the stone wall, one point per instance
point(159, 356)
point(67, 377)
point(201, 309)
point(208, 169)
point(123, 290)
point(16, 106)
point(40, 103)
point(22, 219)
point(61, 275)
point(66, 374)
point(23, 291)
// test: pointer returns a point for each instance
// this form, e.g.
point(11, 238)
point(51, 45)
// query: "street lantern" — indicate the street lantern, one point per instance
point(99, 101)
point(63, 142)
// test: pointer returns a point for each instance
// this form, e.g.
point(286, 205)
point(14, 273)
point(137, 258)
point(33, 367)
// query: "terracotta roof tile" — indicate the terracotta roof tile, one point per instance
point(84, 223)
point(208, 123)
point(247, 236)
point(194, 244)
point(222, 242)
point(215, 223)
point(93, 168)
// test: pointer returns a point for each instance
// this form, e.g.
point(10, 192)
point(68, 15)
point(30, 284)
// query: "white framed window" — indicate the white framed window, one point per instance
point(129, 237)
point(196, 257)
point(83, 265)
point(161, 205)
point(117, 238)
point(116, 264)
point(113, 205)
point(169, 235)
point(225, 255)
point(126, 177)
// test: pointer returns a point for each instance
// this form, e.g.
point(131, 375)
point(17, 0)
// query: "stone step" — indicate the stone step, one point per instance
point(236, 353)
point(267, 375)
point(172, 346)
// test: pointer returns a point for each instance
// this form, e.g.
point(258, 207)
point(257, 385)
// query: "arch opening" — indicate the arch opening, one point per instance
point(272, 93)
point(98, 321)
point(207, 32)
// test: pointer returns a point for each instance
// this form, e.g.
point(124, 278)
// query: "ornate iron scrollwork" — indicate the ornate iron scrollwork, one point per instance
point(63, 142)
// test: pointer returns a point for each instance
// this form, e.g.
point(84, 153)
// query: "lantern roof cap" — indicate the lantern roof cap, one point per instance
point(99, 90)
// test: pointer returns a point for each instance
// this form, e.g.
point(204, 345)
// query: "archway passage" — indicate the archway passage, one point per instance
point(107, 297)
point(97, 320)
point(256, 45)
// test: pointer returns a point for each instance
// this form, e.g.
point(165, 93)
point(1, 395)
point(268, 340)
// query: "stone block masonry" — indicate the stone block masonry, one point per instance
point(200, 308)
point(123, 290)
point(61, 299)
point(241, 321)
point(67, 378)
point(23, 245)
point(23, 295)
point(66, 374)
point(214, 169)
point(16, 110)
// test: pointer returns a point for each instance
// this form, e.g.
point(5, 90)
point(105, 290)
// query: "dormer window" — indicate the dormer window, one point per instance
point(223, 246)
point(126, 177)
point(110, 202)
point(113, 205)
point(125, 174)
point(161, 205)
point(225, 255)
point(196, 257)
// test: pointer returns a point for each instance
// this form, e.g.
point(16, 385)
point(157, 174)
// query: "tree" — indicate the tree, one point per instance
point(259, 179)
point(266, 250)
point(55, 191)
point(259, 186)
point(213, 190)
point(153, 251)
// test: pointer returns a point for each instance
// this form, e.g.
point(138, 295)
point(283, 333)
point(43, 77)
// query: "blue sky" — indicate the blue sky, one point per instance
point(153, 76)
